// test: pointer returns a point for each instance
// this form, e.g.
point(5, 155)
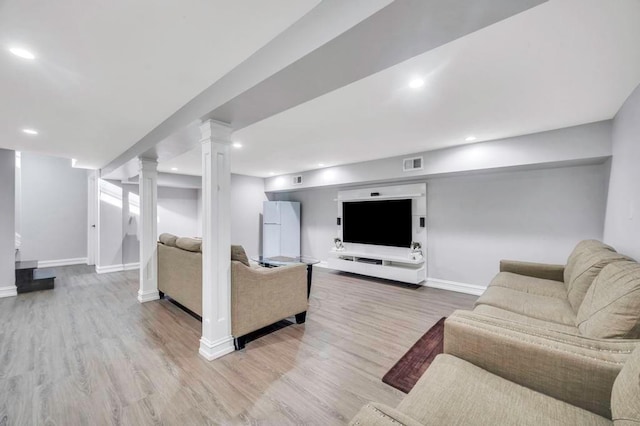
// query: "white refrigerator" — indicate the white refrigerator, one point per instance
point(281, 228)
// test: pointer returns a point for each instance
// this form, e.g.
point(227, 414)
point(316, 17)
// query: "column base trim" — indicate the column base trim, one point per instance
point(148, 296)
point(212, 350)
point(8, 291)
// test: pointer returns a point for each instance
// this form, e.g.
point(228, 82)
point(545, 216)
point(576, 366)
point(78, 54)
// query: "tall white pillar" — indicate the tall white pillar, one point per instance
point(148, 182)
point(7, 223)
point(216, 339)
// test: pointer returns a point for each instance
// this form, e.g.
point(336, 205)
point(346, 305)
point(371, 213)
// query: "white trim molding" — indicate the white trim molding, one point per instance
point(116, 268)
point(148, 296)
point(474, 289)
point(213, 350)
point(131, 266)
point(8, 291)
point(62, 262)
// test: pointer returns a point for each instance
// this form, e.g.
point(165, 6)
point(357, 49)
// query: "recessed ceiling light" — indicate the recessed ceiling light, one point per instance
point(73, 162)
point(320, 164)
point(416, 83)
point(30, 131)
point(174, 169)
point(470, 138)
point(22, 53)
point(237, 145)
point(272, 173)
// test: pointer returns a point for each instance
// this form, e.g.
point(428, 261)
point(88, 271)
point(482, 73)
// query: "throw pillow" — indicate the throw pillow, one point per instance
point(168, 239)
point(189, 244)
point(611, 307)
point(238, 253)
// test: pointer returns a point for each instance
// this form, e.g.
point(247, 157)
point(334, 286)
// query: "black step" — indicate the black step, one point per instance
point(29, 278)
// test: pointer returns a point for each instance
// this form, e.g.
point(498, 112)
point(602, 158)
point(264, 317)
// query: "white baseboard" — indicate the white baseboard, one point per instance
point(213, 350)
point(62, 262)
point(474, 289)
point(322, 264)
point(131, 266)
point(8, 291)
point(117, 268)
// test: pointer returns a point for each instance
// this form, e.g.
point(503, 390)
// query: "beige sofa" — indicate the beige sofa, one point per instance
point(544, 326)
point(543, 345)
point(259, 296)
point(456, 392)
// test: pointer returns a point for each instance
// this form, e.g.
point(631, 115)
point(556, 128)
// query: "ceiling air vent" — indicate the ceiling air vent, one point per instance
point(411, 164)
point(297, 180)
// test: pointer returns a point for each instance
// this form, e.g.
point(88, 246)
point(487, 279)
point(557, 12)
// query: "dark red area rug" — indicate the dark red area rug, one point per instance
point(408, 370)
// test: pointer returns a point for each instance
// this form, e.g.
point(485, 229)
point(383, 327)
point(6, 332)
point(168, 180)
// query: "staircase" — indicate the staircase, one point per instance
point(30, 278)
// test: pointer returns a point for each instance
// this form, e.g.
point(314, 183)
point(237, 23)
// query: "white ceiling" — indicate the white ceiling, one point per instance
point(564, 63)
point(107, 72)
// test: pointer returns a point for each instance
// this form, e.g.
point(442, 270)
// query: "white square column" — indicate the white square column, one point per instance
point(148, 181)
point(216, 339)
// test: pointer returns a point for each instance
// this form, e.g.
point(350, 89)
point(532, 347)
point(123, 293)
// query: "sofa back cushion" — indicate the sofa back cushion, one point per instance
point(611, 307)
point(168, 239)
point(584, 268)
point(238, 253)
point(582, 248)
point(189, 244)
point(625, 395)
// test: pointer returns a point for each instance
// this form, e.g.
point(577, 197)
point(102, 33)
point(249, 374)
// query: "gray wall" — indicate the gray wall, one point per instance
point(7, 219)
point(119, 219)
point(54, 209)
point(583, 144)
point(178, 212)
point(622, 225)
point(538, 215)
point(476, 220)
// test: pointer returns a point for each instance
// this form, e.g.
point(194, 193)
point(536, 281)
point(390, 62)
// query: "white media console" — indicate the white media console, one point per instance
point(393, 263)
point(395, 268)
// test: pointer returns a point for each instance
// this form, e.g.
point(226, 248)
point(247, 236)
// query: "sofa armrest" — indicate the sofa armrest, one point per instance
point(262, 296)
point(574, 369)
point(375, 414)
point(537, 270)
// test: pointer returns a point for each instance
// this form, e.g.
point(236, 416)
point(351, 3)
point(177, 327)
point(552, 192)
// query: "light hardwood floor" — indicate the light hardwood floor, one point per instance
point(87, 353)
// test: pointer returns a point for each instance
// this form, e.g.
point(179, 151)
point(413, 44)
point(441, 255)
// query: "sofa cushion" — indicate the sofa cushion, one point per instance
point(531, 285)
point(578, 251)
point(168, 239)
point(532, 305)
point(611, 307)
point(453, 391)
point(625, 396)
point(585, 269)
point(238, 253)
point(502, 314)
point(189, 244)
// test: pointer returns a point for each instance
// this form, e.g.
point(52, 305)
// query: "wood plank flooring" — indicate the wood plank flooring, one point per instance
point(87, 353)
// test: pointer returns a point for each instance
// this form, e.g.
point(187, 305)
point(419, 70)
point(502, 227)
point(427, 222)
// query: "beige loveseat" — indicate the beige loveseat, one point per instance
point(455, 392)
point(259, 296)
point(564, 331)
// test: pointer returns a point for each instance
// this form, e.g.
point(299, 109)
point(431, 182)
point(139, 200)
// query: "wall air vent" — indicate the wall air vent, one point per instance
point(411, 164)
point(297, 180)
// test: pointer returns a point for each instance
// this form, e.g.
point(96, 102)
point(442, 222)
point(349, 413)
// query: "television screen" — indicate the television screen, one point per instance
point(383, 223)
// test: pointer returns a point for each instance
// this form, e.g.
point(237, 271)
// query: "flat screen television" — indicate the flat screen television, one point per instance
point(380, 222)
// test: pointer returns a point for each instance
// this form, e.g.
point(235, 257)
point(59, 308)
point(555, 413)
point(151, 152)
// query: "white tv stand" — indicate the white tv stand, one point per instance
point(395, 268)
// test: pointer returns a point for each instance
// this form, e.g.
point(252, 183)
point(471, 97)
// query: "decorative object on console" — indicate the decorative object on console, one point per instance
point(338, 242)
point(416, 250)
